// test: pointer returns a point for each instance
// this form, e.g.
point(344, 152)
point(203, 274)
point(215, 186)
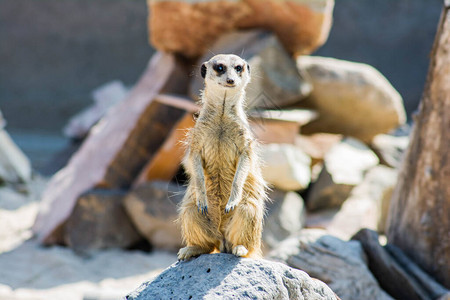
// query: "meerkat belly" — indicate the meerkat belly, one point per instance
point(220, 157)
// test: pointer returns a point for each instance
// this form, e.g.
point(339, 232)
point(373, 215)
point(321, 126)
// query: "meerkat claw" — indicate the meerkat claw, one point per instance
point(202, 209)
point(229, 207)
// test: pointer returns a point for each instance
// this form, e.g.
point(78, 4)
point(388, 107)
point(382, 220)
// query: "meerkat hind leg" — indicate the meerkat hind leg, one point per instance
point(244, 230)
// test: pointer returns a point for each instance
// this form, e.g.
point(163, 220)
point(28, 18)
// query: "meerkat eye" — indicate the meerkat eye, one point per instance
point(220, 68)
point(238, 69)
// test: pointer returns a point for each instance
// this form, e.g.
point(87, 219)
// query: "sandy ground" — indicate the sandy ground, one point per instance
point(29, 271)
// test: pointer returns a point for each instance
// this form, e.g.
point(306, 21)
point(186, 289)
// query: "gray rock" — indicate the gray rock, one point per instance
point(285, 216)
point(341, 264)
point(390, 148)
point(352, 99)
point(275, 79)
point(152, 208)
point(285, 167)
point(224, 276)
point(14, 165)
point(344, 168)
point(99, 221)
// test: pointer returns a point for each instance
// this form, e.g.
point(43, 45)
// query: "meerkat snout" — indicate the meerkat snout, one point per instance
point(226, 71)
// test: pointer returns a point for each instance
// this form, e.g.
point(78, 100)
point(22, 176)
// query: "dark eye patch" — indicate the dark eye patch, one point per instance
point(238, 69)
point(220, 68)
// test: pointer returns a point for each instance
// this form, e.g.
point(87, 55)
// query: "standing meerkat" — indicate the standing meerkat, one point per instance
point(223, 207)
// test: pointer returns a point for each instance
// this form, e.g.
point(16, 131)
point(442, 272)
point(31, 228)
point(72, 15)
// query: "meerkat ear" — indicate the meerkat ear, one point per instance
point(203, 70)
point(248, 68)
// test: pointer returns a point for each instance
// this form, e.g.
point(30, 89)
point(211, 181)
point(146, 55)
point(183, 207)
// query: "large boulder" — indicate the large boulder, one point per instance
point(152, 207)
point(190, 27)
point(343, 265)
point(351, 98)
point(275, 80)
point(285, 167)
point(224, 276)
point(344, 167)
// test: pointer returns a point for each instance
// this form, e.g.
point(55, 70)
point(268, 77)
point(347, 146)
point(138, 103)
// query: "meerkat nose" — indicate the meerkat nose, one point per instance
point(230, 81)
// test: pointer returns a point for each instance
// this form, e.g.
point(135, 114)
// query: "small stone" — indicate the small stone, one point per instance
point(152, 207)
point(285, 167)
point(390, 148)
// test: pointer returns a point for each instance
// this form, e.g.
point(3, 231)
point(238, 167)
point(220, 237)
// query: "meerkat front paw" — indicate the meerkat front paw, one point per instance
point(240, 250)
point(202, 205)
point(231, 204)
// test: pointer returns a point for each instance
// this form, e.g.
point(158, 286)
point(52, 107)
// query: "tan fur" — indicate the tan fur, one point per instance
point(223, 207)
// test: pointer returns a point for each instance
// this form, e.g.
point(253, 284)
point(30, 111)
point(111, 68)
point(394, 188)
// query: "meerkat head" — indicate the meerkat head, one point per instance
point(226, 72)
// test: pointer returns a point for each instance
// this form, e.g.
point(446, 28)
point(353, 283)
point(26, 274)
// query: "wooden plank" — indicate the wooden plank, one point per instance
point(166, 162)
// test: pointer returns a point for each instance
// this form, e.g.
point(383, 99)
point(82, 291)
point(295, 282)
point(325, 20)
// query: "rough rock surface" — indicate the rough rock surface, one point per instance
point(224, 276)
point(285, 167)
point(99, 221)
point(285, 216)
point(152, 208)
point(301, 25)
point(351, 98)
point(275, 82)
point(344, 168)
point(341, 264)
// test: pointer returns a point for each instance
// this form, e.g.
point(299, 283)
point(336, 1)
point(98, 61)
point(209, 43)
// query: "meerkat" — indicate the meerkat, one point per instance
point(223, 207)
